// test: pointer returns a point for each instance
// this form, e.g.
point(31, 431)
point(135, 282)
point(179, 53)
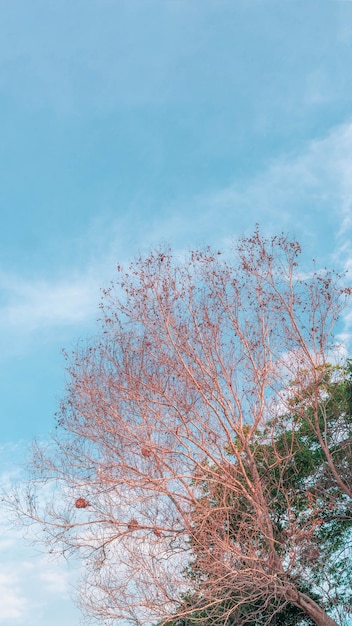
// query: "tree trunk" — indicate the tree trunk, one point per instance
point(312, 609)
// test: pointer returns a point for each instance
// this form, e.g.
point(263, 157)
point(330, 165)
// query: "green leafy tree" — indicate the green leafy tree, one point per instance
point(308, 492)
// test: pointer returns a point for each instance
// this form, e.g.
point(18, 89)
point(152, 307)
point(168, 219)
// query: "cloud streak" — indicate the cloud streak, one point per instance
point(33, 587)
point(13, 604)
point(30, 305)
point(299, 193)
point(307, 194)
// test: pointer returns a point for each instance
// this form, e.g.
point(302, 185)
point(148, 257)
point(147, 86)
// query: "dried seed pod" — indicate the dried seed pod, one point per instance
point(132, 524)
point(81, 503)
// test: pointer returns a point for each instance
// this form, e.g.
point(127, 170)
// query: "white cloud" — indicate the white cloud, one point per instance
point(29, 588)
point(33, 587)
point(13, 603)
point(55, 580)
point(31, 583)
point(307, 194)
point(39, 304)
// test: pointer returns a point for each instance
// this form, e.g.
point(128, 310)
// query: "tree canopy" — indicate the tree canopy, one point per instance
point(306, 491)
point(201, 465)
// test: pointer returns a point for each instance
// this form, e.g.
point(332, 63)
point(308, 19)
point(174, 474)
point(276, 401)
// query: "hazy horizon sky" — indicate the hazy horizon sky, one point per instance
point(129, 123)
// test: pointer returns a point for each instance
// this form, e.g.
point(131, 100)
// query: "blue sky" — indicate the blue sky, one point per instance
point(126, 123)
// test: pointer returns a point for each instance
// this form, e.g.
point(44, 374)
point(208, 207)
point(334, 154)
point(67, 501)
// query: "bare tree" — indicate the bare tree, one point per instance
point(165, 450)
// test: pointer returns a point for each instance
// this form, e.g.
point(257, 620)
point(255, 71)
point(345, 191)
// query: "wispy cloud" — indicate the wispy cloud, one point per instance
point(54, 580)
point(32, 304)
point(33, 310)
point(307, 194)
point(33, 587)
point(13, 604)
point(31, 584)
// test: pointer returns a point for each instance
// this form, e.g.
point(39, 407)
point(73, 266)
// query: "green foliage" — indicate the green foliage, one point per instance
point(299, 486)
point(290, 615)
